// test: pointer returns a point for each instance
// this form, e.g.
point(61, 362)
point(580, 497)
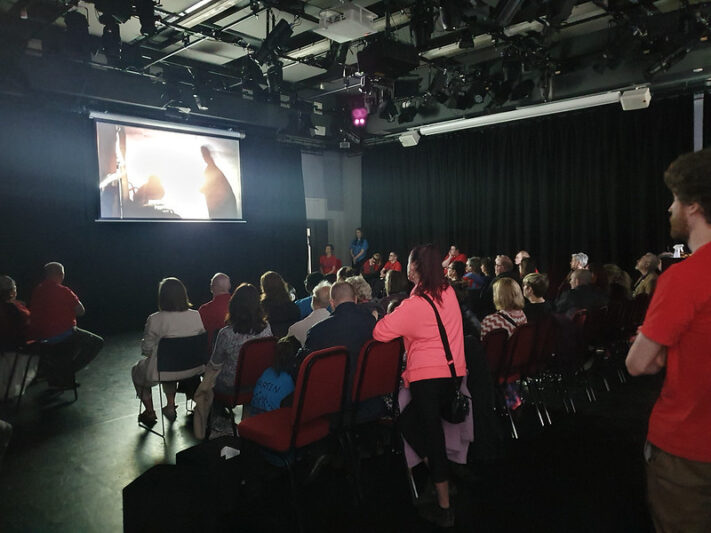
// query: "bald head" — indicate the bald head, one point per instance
point(54, 271)
point(220, 284)
point(342, 292)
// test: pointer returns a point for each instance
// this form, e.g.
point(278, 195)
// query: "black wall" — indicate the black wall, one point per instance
point(586, 181)
point(49, 203)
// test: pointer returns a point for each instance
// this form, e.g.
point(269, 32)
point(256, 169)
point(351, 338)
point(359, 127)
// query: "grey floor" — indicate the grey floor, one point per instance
point(69, 460)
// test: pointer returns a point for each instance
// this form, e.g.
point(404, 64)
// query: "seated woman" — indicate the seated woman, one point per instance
point(278, 308)
point(329, 263)
point(508, 301)
point(373, 265)
point(245, 321)
point(173, 319)
point(275, 383)
point(535, 287)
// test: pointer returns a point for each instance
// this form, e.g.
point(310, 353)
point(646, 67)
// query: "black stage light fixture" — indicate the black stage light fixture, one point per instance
point(407, 114)
point(111, 41)
point(428, 108)
point(523, 90)
point(274, 43)
point(77, 33)
point(422, 23)
point(145, 9)
point(388, 110)
point(559, 11)
point(117, 10)
point(275, 77)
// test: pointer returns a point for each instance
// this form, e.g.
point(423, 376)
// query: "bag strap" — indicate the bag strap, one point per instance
point(507, 318)
point(443, 335)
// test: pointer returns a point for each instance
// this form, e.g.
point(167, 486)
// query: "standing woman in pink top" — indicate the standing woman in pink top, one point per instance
point(427, 373)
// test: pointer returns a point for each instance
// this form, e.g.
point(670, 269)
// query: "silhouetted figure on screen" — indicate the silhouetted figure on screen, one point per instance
point(220, 199)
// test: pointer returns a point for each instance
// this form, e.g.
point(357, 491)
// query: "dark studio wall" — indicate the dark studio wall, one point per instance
point(585, 181)
point(49, 195)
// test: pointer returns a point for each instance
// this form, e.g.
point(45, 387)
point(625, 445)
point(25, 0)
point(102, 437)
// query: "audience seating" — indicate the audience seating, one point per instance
point(178, 354)
point(254, 358)
point(377, 374)
point(317, 394)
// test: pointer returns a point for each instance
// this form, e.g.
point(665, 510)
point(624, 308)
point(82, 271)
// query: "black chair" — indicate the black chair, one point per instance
point(178, 354)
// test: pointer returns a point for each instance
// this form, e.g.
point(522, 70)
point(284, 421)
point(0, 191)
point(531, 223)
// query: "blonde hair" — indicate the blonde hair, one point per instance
point(507, 295)
point(361, 287)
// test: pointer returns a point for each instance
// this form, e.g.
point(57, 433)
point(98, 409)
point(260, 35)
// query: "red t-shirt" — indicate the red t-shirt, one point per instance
point(460, 257)
point(679, 317)
point(213, 315)
point(52, 308)
point(392, 266)
point(328, 263)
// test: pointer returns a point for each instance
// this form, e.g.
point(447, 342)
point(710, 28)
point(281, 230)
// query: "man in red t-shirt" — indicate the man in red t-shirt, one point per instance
point(451, 257)
point(54, 309)
point(329, 263)
point(391, 264)
point(676, 335)
point(214, 312)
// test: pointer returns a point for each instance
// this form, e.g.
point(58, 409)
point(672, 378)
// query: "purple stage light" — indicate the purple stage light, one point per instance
point(358, 115)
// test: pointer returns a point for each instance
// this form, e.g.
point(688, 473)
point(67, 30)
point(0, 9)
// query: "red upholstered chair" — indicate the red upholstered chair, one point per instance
point(317, 394)
point(519, 351)
point(255, 357)
point(377, 372)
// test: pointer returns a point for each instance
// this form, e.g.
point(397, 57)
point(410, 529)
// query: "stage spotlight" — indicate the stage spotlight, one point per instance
point(77, 33)
point(422, 24)
point(118, 11)
point(407, 114)
point(388, 110)
point(359, 116)
point(275, 77)
point(111, 41)
point(274, 43)
point(145, 9)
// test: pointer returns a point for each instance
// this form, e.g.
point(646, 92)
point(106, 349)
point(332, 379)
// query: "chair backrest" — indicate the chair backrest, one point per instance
point(319, 386)
point(177, 354)
point(544, 345)
point(519, 350)
point(377, 370)
point(495, 349)
point(255, 356)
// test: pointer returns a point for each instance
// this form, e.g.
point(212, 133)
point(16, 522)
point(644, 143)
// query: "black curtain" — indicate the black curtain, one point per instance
point(50, 198)
point(585, 181)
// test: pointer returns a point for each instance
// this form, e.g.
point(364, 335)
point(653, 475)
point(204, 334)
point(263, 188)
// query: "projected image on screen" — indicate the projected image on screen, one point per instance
point(150, 173)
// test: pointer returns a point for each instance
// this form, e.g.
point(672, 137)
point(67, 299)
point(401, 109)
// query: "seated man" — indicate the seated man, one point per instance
point(351, 326)
point(647, 265)
point(214, 312)
point(55, 309)
point(582, 294)
point(391, 264)
point(304, 304)
point(578, 261)
point(14, 316)
point(453, 255)
point(319, 303)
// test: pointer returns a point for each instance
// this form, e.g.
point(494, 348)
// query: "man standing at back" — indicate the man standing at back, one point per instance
point(676, 335)
point(214, 312)
point(54, 310)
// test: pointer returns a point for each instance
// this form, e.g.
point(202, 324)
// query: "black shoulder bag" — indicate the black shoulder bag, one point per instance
point(456, 408)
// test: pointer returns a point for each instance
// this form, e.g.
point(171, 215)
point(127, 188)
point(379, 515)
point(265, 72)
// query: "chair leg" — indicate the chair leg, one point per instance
point(24, 380)
point(11, 375)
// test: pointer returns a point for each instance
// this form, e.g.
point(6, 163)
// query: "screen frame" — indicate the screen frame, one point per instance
point(127, 120)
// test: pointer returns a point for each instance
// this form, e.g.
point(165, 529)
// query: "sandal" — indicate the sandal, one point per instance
point(170, 413)
point(147, 419)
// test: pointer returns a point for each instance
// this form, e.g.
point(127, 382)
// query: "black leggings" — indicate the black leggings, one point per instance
point(421, 424)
